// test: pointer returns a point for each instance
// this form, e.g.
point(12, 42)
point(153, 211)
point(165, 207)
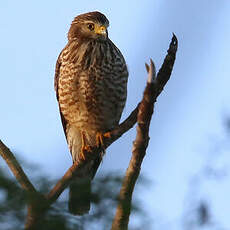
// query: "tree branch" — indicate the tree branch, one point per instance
point(153, 88)
point(64, 182)
point(16, 169)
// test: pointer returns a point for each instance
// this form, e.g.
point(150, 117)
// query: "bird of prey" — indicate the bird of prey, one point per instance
point(91, 88)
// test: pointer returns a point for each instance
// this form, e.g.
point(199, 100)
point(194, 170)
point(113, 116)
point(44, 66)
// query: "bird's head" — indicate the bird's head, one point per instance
point(92, 25)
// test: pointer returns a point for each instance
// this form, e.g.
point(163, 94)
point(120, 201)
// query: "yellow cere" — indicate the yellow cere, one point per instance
point(99, 29)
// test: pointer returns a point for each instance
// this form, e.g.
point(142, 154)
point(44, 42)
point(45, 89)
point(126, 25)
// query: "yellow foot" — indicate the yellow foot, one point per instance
point(107, 135)
point(100, 137)
point(84, 150)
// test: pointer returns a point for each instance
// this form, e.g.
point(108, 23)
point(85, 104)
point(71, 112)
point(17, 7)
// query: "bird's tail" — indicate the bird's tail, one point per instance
point(79, 196)
point(80, 189)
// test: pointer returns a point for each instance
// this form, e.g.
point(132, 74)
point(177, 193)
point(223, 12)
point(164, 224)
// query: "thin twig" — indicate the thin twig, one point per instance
point(16, 169)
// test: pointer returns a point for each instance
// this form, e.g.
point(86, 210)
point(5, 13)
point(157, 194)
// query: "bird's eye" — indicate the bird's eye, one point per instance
point(90, 26)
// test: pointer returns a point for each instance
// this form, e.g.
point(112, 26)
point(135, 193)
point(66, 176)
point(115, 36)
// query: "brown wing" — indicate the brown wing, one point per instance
point(56, 79)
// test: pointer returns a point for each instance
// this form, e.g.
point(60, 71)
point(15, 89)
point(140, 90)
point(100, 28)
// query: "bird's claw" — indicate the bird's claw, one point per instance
point(84, 150)
point(100, 138)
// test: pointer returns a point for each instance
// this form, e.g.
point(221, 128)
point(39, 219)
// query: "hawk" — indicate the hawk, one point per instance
point(91, 88)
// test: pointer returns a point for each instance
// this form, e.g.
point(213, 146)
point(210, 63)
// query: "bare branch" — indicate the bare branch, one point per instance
point(122, 128)
point(72, 172)
point(151, 72)
point(153, 88)
point(166, 69)
point(16, 169)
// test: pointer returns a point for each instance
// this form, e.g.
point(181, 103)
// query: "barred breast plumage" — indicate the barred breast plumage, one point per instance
point(91, 85)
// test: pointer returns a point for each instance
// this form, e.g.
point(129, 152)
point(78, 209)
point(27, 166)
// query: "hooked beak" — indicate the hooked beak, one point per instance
point(101, 30)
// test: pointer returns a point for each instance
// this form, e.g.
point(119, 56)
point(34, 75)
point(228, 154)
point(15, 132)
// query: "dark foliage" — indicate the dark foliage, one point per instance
point(104, 198)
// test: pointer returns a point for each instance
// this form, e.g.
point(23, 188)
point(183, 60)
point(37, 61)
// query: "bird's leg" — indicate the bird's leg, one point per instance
point(84, 147)
point(107, 135)
point(100, 137)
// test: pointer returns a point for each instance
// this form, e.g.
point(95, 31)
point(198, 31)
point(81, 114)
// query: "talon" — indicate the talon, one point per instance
point(107, 135)
point(85, 148)
point(99, 140)
point(82, 155)
point(101, 137)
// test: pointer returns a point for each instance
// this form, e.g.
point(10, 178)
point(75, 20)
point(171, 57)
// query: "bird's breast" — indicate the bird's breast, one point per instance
point(92, 86)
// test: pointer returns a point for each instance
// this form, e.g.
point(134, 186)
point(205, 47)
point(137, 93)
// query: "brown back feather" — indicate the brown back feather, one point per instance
point(56, 78)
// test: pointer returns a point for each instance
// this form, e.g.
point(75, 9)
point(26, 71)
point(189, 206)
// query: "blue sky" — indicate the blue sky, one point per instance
point(188, 114)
